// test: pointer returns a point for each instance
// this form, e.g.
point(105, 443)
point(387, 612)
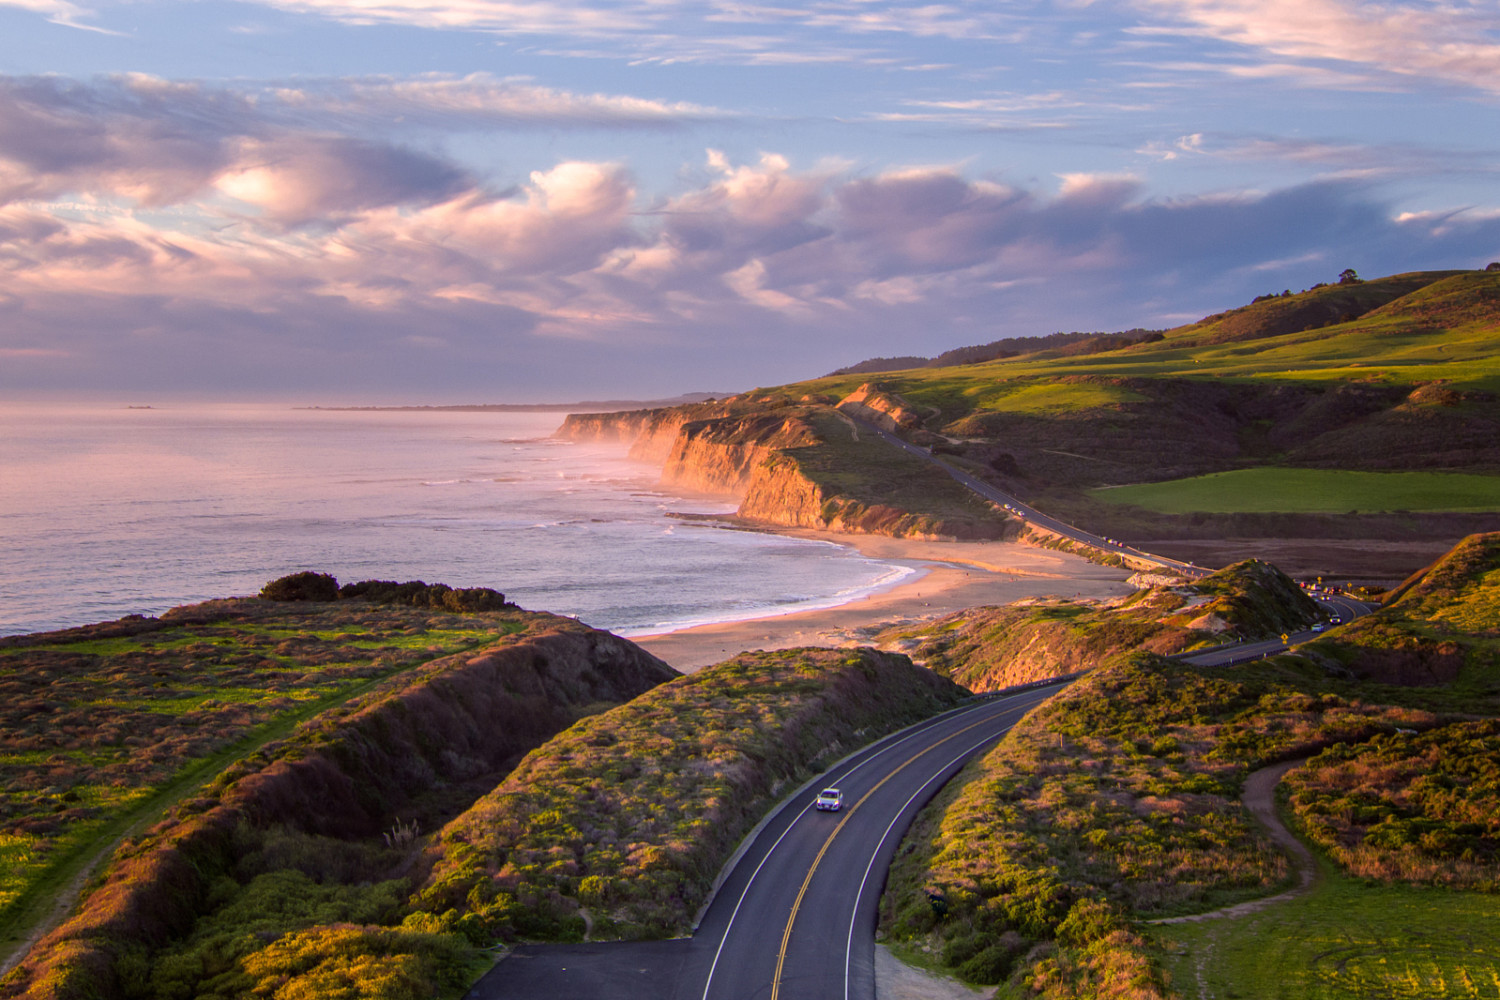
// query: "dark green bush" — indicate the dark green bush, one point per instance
point(304, 586)
point(417, 594)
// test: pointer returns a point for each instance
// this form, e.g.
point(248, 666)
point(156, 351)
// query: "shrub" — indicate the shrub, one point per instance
point(349, 962)
point(304, 586)
point(417, 594)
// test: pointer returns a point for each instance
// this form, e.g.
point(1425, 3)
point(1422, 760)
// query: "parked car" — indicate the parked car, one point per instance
point(830, 800)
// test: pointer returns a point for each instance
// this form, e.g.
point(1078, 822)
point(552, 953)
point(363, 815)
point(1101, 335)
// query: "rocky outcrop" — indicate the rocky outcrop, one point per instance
point(872, 403)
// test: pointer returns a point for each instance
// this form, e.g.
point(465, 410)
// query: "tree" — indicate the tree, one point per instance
point(1494, 265)
point(1348, 277)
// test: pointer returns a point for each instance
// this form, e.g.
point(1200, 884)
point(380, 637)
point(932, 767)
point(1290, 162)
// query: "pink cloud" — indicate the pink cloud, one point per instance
point(756, 261)
point(1446, 43)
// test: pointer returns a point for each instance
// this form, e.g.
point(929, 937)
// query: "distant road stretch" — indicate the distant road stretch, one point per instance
point(1031, 514)
point(1345, 609)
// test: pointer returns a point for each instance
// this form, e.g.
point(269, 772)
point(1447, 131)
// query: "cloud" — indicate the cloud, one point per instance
point(1453, 44)
point(594, 20)
point(502, 16)
point(475, 101)
point(416, 275)
point(1348, 159)
point(283, 152)
point(297, 180)
point(59, 12)
point(690, 31)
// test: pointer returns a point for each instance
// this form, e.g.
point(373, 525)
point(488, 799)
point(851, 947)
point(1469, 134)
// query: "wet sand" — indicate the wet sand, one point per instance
point(955, 576)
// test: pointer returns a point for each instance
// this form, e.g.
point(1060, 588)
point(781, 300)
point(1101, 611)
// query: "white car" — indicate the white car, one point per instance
point(830, 800)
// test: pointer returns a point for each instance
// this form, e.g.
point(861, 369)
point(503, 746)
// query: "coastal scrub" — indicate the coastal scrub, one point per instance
point(623, 821)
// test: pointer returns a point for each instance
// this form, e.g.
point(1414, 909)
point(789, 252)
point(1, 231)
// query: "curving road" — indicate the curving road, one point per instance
point(795, 918)
point(1336, 607)
point(1029, 513)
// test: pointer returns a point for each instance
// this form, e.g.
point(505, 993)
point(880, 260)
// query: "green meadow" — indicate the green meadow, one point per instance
point(1346, 940)
point(102, 727)
point(1311, 491)
point(1444, 330)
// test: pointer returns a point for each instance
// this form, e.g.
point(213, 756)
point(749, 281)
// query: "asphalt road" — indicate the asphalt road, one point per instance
point(1029, 513)
point(795, 918)
point(1346, 609)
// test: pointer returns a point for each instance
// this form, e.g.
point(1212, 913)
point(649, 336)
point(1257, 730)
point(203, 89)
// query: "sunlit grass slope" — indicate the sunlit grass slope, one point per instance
point(1312, 491)
point(1348, 940)
point(1446, 325)
point(1117, 802)
point(986, 649)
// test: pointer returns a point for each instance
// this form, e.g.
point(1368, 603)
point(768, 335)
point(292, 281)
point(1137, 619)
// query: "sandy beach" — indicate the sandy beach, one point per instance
point(954, 576)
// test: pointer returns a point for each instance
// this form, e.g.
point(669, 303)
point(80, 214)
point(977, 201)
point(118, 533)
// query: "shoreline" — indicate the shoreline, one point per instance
point(950, 577)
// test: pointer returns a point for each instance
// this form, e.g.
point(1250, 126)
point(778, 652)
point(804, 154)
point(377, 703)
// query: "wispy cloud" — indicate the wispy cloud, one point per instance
point(60, 12)
point(1455, 44)
point(667, 32)
point(500, 16)
point(477, 100)
point(1352, 159)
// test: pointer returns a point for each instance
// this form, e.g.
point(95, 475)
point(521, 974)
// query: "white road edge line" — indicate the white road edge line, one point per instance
point(751, 881)
point(859, 896)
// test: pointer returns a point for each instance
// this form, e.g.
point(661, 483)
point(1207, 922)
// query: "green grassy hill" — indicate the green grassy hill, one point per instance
point(1117, 803)
point(1393, 375)
point(255, 751)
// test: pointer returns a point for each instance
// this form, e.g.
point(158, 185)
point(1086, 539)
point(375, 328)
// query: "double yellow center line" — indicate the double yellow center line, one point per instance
point(786, 935)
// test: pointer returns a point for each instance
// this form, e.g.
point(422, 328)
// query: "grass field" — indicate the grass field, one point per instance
point(103, 727)
point(1345, 940)
point(1311, 491)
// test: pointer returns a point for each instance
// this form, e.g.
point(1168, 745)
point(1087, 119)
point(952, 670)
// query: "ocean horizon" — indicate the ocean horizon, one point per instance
point(107, 511)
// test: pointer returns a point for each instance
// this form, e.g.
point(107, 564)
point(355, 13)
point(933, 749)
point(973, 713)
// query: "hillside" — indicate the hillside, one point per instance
point(1397, 374)
point(407, 711)
point(1117, 804)
point(988, 649)
point(622, 823)
point(305, 869)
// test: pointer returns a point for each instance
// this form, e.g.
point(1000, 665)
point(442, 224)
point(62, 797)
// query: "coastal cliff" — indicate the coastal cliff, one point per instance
point(799, 464)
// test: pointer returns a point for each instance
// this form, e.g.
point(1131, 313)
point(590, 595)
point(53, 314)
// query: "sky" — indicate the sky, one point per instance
point(450, 201)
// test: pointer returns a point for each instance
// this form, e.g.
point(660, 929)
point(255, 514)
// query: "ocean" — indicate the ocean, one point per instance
point(109, 511)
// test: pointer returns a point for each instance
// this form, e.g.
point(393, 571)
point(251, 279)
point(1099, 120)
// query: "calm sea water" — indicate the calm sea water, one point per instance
point(108, 512)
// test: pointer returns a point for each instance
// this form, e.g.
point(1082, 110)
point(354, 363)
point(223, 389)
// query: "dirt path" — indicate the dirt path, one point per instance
point(1260, 799)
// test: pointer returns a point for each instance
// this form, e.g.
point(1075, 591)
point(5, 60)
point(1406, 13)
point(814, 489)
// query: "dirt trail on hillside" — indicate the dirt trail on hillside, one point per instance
point(1260, 799)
